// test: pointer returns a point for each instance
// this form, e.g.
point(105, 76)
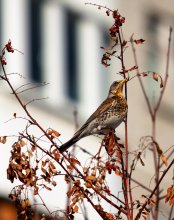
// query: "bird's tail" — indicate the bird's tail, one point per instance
point(68, 144)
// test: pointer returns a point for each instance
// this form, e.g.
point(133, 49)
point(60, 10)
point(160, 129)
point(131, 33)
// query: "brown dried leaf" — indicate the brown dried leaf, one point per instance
point(46, 187)
point(56, 133)
point(155, 76)
point(124, 43)
point(75, 209)
point(90, 178)
point(118, 173)
point(3, 139)
point(164, 159)
point(151, 201)
point(170, 195)
point(119, 155)
point(159, 150)
point(54, 183)
point(161, 83)
point(52, 167)
point(145, 74)
point(88, 185)
point(74, 161)
point(30, 154)
point(43, 170)
point(56, 154)
point(139, 41)
point(22, 143)
point(53, 132)
point(33, 148)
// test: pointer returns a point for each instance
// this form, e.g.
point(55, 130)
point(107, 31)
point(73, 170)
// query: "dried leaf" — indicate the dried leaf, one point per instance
point(161, 83)
point(155, 76)
point(119, 155)
point(3, 139)
point(90, 178)
point(33, 148)
point(159, 150)
point(145, 74)
point(56, 133)
point(52, 166)
point(151, 201)
point(43, 170)
point(164, 159)
point(46, 187)
point(118, 173)
point(56, 154)
point(54, 183)
point(124, 43)
point(22, 143)
point(74, 161)
point(170, 195)
point(44, 163)
point(75, 209)
point(108, 12)
point(53, 132)
point(139, 41)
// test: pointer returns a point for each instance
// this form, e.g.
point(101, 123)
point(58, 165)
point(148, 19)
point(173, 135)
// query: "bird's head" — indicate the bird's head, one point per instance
point(116, 88)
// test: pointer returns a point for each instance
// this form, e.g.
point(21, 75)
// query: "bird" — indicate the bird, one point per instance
point(106, 118)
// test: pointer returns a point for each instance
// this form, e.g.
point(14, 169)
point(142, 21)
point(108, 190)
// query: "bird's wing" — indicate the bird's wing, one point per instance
point(102, 108)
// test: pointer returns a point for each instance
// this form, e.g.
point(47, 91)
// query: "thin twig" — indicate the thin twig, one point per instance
point(171, 212)
point(126, 179)
point(139, 78)
point(44, 204)
point(33, 100)
point(166, 74)
point(154, 190)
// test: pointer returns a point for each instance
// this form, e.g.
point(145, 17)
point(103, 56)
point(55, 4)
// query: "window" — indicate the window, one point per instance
point(152, 29)
point(72, 62)
point(158, 24)
point(65, 52)
point(35, 36)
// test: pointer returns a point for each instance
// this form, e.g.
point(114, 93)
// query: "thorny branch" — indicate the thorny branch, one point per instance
point(154, 190)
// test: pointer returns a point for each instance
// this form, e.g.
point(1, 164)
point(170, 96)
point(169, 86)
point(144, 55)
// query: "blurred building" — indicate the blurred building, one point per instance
point(61, 42)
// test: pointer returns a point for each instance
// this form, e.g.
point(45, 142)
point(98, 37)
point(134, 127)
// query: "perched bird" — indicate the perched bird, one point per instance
point(107, 117)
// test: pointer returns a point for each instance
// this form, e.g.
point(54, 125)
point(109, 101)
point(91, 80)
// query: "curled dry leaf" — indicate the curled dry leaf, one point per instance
point(54, 183)
point(159, 150)
point(145, 74)
point(53, 132)
point(3, 139)
point(118, 173)
point(164, 159)
point(170, 195)
point(56, 154)
point(33, 148)
point(22, 143)
point(75, 209)
point(155, 76)
point(151, 201)
point(75, 161)
point(46, 187)
point(139, 41)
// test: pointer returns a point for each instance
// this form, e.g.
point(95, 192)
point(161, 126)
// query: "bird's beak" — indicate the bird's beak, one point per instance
point(122, 83)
